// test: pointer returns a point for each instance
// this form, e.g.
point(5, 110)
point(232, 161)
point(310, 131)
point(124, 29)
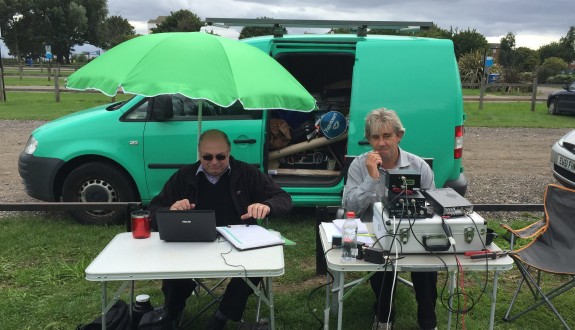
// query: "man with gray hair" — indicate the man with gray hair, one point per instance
point(365, 186)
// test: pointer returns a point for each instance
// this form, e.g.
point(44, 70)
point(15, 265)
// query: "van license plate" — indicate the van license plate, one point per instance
point(566, 163)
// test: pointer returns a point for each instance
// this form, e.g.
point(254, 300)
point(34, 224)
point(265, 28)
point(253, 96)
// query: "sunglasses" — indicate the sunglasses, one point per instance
point(209, 157)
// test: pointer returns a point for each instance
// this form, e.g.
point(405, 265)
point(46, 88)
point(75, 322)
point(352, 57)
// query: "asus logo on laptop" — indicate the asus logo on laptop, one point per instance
point(186, 221)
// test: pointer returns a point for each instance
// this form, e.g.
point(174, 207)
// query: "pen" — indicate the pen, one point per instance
point(369, 235)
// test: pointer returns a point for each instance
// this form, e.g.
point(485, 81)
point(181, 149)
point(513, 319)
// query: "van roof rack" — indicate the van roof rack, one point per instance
point(280, 24)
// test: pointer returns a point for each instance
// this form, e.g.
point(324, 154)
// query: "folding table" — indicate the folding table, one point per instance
point(128, 259)
point(410, 263)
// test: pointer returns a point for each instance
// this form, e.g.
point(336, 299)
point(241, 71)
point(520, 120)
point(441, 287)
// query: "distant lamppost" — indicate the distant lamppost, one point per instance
point(15, 20)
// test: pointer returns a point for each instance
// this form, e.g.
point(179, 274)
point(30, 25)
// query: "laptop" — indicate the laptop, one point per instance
point(187, 226)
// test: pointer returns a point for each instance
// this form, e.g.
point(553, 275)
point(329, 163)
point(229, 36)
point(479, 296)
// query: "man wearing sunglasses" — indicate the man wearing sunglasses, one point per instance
point(238, 193)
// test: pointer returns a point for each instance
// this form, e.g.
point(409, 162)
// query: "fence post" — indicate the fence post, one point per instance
point(534, 92)
point(481, 92)
point(56, 83)
point(2, 87)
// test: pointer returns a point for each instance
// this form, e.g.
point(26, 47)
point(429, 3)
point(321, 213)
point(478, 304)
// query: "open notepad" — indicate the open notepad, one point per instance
point(249, 237)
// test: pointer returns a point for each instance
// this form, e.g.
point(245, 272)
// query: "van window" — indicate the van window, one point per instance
point(177, 107)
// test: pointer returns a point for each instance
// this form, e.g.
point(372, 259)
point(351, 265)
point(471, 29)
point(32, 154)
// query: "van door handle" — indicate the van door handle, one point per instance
point(363, 142)
point(249, 141)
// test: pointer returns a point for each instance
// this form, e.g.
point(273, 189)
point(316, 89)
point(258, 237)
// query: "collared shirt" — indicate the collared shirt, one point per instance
point(211, 178)
point(362, 191)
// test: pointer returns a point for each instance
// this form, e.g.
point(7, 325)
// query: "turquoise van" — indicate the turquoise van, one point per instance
point(126, 151)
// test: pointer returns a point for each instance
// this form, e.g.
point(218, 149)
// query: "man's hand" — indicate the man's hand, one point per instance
point(256, 211)
point(183, 204)
point(372, 162)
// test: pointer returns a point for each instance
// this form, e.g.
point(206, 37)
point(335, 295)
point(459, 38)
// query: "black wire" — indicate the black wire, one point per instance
point(317, 289)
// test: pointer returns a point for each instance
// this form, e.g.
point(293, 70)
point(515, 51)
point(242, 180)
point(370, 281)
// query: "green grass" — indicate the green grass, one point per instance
point(42, 106)
point(44, 256)
point(513, 114)
point(28, 81)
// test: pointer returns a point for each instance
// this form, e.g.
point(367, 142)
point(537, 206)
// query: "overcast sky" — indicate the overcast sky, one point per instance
point(533, 22)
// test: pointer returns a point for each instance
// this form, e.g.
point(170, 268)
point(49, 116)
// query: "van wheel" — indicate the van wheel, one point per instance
point(98, 182)
point(553, 108)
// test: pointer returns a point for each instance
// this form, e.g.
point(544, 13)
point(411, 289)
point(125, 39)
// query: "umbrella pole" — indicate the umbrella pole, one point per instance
point(199, 127)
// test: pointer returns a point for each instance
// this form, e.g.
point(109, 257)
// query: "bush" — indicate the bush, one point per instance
point(561, 79)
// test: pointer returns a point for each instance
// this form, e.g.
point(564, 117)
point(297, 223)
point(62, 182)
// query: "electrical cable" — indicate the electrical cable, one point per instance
point(317, 289)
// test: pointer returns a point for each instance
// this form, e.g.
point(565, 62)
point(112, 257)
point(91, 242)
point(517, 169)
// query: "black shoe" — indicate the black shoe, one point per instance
point(156, 319)
point(261, 325)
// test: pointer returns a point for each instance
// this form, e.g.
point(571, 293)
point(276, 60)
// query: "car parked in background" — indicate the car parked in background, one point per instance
point(562, 101)
point(563, 160)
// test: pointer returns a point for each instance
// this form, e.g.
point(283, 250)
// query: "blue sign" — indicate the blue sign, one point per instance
point(49, 56)
point(488, 61)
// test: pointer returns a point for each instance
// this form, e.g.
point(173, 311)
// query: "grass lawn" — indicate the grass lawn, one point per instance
point(44, 256)
point(43, 287)
point(42, 106)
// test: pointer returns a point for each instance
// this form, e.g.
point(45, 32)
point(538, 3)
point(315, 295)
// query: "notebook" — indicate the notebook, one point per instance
point(249, 237)
point(187, 226)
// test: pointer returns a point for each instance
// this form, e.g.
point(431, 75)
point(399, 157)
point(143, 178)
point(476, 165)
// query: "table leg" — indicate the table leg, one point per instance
point(327, 308)
point(493, 299)
point(450, 301)
point(104, 303)
point(271, 299)
point(340, 300)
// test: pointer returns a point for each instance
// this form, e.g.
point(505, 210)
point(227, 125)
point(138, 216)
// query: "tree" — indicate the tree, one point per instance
point(15, 23)
point(564, 49)
point(471, 66)
point(435, 32)
point(115, 30)
point(568, 44)
point(255, 31)
point(182, 20)
point(507, 50)
point(467, 41)
point(96, 13)
point(551, 66)
point(527, 58)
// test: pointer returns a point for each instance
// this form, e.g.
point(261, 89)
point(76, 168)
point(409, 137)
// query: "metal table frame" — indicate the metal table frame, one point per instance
point(412, 263)
point(128, 259)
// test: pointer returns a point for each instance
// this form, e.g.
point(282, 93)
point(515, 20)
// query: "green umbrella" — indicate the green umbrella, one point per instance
point(198, 65)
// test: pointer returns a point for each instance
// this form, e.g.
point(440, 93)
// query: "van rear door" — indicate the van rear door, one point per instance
point(419, 79)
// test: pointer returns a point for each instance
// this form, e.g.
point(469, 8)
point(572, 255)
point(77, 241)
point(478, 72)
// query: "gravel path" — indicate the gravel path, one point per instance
point(503, 165)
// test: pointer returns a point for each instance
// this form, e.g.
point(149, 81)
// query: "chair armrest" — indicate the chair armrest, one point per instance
point(527, 232)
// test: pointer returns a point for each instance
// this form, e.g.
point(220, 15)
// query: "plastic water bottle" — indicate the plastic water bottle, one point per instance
point(349, 238)
point(141, 307)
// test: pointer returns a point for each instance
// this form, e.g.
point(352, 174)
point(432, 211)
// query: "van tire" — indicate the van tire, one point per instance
point(98, 182)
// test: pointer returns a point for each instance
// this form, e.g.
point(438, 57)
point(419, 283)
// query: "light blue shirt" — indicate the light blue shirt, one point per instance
point(362, 191)
point(211, 178)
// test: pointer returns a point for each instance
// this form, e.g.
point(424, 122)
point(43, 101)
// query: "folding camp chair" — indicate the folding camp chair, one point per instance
point(551, 250)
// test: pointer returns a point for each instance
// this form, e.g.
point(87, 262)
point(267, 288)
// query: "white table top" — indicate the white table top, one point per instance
point(415, 262)
point(126, 258)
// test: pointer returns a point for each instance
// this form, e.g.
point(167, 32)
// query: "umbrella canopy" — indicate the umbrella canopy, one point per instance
point(197, 65)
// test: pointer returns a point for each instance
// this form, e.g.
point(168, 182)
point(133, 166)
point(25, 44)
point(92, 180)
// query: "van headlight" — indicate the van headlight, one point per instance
point(31, 145)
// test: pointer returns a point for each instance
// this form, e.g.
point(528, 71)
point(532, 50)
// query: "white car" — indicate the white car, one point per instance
point(563, 160)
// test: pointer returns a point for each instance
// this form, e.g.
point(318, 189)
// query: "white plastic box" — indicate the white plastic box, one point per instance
point(410, 235)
